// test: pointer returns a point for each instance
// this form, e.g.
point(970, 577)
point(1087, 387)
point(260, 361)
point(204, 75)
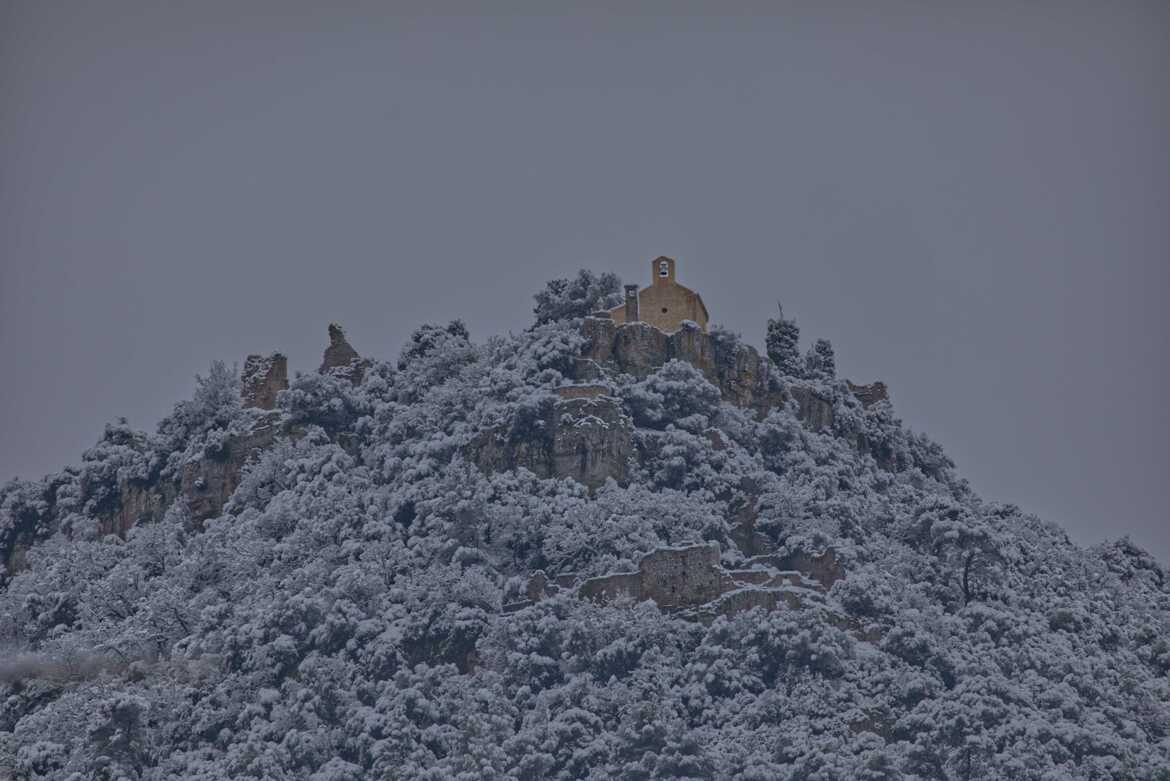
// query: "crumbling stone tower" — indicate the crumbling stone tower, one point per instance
point(340, 358)
point(339, 353)
point(264, 376)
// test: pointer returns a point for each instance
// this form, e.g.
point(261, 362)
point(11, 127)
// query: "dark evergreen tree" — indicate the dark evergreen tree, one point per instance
point(783, 341)
point(819, 362)
point(824, 350)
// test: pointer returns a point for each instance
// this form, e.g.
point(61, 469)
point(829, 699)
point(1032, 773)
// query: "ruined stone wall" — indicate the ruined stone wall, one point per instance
point(825, 568)
point(869, 394)
point(691, 578)
point(264, 376)
point(613, 588)
point(682, 577)
point(588, 390)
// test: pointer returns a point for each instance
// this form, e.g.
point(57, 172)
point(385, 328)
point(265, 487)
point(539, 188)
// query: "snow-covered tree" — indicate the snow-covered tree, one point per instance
point(819, 361)
point(358, 608)
point(783, 343)
point(568, 298)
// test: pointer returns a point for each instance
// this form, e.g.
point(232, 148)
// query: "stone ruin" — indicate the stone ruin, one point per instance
point(690, 579)
point(869, 394)
point(264, 376)
point(206, 484)
point(340, 358)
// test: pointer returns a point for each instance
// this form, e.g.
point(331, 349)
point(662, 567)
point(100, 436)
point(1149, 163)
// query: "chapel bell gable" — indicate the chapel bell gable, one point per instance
point(664, 304)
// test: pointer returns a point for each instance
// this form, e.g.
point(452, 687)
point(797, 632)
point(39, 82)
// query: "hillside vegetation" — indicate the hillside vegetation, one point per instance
point(361, 606)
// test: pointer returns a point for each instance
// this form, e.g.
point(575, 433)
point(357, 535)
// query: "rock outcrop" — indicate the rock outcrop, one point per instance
point(206, 485)
point(340, 358)
point(744, 515)
point(138, 501)
point(812, 408)
point(743, 376)
point(263, 378)
point(638, 349)
point(691, 578)
point(583, 435)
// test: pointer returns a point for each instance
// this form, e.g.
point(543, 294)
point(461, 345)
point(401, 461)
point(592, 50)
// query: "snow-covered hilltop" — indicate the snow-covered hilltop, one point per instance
point(597, 549)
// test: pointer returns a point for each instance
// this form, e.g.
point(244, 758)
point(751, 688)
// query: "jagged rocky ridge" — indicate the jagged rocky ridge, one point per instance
point(582, 551)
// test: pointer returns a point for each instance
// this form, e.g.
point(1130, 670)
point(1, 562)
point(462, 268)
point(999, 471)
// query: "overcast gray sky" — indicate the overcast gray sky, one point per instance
point(972, 200)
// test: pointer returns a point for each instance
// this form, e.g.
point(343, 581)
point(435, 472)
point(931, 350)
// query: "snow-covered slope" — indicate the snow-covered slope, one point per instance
point(343, 616)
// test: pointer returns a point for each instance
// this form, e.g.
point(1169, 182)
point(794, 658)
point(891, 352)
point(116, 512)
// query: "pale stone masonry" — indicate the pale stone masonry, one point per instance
point(665, 304)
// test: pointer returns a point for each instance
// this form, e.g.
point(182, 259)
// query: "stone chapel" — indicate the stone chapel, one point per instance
point(664, 304)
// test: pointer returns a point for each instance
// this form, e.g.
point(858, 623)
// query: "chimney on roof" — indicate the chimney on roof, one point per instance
point(631, 303)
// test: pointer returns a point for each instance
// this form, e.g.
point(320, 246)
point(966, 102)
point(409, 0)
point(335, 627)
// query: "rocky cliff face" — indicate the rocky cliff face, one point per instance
point(138, 501)
point(203, 485)
point(206, 484)
point(638, 349)
point(592, 441)
point(588, 438)
point(744, 377)
point(815, 410)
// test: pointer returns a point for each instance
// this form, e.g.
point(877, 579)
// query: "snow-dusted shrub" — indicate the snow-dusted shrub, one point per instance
point(576, 297)
point(677, 393)
point(357, 610)
point(324, 400)
point(215, 404)
point(819, 362)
